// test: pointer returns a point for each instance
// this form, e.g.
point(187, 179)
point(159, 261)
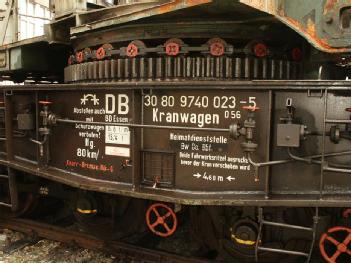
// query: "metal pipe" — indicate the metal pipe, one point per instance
point(338, 121)
point(338, 170)
point(253, 163)
point(269, 223)
point(315, 224)
point(339, 165)
point(292, 160)
point(5, 204)
point(301, 159)
point(131, 125)
point(283, 251)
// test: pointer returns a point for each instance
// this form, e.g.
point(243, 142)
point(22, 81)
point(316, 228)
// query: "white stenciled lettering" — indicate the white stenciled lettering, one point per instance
point(110, 103)
point(123, 101)
point(122, 104)
point(199, 119)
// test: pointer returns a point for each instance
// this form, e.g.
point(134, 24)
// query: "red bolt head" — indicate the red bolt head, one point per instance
point(132, 50)
point(260, 50)
point(100, 53)
point(296, 54)
point(217, 49)
point(172, 49)
point(80, 56)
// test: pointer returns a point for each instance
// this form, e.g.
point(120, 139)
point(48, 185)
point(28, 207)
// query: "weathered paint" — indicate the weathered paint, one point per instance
point(329, 5)
point(308, 30)
point(268, 6)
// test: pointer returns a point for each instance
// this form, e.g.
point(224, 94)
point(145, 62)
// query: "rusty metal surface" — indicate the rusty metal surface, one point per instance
point(318, 21)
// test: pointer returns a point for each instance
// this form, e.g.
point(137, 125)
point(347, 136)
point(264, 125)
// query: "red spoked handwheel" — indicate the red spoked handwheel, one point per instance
point(161, 220)
point(340, 247)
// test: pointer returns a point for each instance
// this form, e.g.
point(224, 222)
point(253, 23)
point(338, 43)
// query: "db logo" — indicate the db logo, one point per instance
point(116, 104)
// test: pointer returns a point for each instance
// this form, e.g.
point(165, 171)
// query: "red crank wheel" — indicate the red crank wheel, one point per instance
point(166, 220)
point(341, 247)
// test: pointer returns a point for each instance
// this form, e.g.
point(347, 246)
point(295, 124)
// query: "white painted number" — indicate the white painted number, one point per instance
point(150, 100)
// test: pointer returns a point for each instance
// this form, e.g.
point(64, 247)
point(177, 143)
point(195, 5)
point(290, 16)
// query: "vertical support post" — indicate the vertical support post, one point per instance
point(9, 125)
point(267, 187)
point(135, 142)
point(325, 115)
point(9, 149)
point(15, 20)
point(13, 189)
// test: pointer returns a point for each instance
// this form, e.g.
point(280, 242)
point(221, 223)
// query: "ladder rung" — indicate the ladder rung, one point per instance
point(4, 176)
point(5, 204)
point(283, 251)
point(269, 223)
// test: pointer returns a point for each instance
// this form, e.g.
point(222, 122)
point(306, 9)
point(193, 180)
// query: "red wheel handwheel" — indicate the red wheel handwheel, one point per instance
point(164, 216)
point(341, 247)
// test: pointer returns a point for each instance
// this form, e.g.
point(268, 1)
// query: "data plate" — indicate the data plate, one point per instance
point(94, 150)
point(207, 160)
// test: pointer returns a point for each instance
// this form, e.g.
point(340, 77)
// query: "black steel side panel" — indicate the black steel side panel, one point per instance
point(185, 165)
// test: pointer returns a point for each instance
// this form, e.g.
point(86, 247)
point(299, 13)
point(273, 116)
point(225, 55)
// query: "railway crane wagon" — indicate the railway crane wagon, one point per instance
point(227, 121)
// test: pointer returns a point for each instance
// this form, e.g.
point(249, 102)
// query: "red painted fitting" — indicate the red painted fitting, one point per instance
point(161, 220)
point(260, 50)
point(341, 247)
